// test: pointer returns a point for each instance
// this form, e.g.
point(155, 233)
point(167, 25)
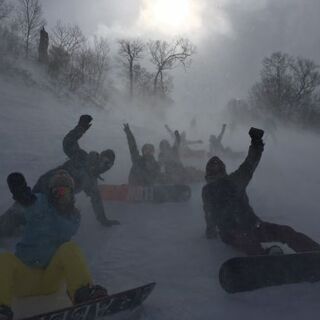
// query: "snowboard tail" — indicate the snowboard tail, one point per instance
point(254, 272)
point(157, 193)
point(102, 307)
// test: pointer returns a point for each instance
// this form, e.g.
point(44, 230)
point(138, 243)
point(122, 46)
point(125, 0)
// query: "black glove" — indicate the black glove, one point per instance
point(256, 136)
point(84, 121)
point(20, 190)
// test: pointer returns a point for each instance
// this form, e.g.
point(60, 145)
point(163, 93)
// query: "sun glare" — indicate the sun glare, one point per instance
point(171, 16)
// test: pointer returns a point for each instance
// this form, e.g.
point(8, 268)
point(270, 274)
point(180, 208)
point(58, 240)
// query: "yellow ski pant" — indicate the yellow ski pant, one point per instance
point(19, 280)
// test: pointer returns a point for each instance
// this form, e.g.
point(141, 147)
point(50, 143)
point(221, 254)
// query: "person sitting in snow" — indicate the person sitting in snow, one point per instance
point(185, 151)
point(216, 147)
point(45, 257)
point(170, 162)
point(145, 170)
point(85, 169)
point(229, 214)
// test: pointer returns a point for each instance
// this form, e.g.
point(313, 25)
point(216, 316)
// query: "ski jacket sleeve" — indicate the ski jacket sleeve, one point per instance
point(71, 146)
point(220, 136)
point(134, 152)
point(176, 146)
point(170, 131)
point(96, 202)
point(242, 176)
point(11, 220)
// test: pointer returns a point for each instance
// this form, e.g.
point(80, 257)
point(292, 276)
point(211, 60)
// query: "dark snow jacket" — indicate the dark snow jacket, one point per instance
point(169, 160)
point(78, 167)
point(225, 199)
point(144, 171)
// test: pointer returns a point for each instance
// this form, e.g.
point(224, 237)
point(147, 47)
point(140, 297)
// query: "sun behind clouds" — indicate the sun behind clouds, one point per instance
point(172, 16)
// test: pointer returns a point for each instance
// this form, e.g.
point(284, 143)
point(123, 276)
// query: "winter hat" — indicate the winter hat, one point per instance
point(215, 165)
point(61, 179)
point(108, 154)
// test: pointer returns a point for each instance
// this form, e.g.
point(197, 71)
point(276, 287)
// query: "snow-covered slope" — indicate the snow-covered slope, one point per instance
point(163, 243)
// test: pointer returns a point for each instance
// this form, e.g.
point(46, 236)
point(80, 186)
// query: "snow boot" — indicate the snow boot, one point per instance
point(6, 313)
point(88, 293)
point(273, 251)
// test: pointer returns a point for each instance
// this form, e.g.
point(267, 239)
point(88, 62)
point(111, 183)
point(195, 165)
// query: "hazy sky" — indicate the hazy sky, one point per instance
point(232, 36)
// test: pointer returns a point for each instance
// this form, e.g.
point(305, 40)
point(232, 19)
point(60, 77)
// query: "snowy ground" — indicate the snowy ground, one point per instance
point(163, 243)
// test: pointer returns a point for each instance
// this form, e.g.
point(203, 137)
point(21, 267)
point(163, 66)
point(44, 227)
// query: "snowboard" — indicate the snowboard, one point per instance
point(101, 307)
point(254, 272)
point(157, 193)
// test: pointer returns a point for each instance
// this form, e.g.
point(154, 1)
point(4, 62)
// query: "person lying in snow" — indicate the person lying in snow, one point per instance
point(170, 162)
point(85, 169)
point(45, 258)
point(145, 170)
point(229, 214)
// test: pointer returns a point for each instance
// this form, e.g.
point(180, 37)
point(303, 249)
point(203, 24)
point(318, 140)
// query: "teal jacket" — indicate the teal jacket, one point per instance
point(45, 231)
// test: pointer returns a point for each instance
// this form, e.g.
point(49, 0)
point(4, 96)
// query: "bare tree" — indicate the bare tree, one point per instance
point(166, 56)
point(306, 78)
point(130, 51)
point(89, 67)
point(288, 86)
point(29, 14)
point(5, 9)
point(68, 37)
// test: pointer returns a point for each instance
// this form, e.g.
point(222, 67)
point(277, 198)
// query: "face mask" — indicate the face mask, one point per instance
point(62, 195)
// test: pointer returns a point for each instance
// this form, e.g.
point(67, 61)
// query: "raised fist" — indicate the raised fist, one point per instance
point(85, 121)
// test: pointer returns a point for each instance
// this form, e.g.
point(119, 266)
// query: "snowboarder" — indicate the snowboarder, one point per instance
point(170, 162)
point(85, 169)
point(45, 257)
point(185, 151)
point(216, 147)
point(145, 170)
point(229, 214)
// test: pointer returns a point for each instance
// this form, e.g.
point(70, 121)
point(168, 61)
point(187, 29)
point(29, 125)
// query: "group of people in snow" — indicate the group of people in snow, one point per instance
point(45, 256)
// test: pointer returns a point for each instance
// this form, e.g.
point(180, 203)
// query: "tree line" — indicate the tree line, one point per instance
point(79, 63)
point(288, 89)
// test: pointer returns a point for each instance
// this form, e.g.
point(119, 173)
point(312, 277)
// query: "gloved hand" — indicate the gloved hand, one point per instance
point(126, 128)
point(84, 121)
point(256, 136)
point(20, 190)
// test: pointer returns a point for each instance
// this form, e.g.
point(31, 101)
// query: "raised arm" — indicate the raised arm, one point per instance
point(134, 152)
point(169, 130)
point(70, 142)
point(177, 143)
point(244, 173)
point(93, 193)
point(14, 217)
point(223, 129)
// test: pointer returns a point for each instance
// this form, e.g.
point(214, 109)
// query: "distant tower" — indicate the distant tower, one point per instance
point(43, 46)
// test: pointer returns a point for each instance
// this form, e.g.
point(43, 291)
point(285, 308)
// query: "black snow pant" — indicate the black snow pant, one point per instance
point(250, 242)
